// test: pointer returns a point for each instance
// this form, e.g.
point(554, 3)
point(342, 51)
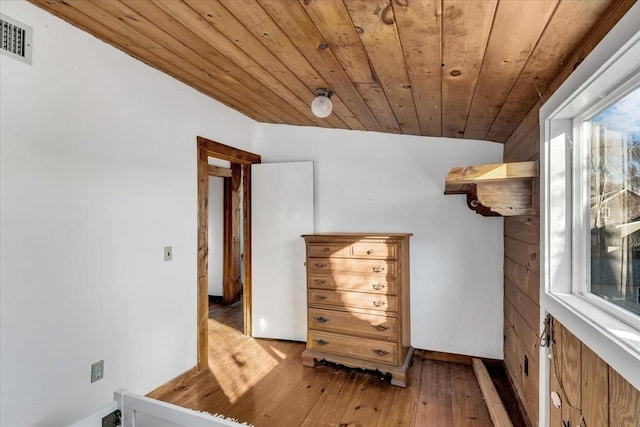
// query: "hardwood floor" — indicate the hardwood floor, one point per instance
point(263, 382)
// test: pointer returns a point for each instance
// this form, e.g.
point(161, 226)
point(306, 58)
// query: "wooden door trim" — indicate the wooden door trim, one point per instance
point(208, 148)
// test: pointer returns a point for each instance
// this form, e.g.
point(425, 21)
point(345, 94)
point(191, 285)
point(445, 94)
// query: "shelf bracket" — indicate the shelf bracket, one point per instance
point(499, 189)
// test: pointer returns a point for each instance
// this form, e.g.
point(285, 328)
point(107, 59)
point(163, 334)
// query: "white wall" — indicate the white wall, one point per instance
point(98, 173)
point(372, 182)
point(216, 234)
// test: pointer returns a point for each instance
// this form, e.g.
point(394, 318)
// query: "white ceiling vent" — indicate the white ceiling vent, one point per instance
point(17, 39)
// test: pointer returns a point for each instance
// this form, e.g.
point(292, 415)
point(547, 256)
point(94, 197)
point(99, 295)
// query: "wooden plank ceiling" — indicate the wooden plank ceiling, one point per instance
point(457, 68)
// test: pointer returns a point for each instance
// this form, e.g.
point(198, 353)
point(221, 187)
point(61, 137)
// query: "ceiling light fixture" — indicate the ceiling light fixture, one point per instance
point(322, 106)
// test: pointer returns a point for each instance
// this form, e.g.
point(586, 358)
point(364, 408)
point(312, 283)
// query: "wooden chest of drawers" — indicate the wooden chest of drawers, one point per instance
point(358, 302)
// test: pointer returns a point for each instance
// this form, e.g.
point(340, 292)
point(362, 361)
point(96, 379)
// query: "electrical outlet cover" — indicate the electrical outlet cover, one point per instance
point(97, 371)
point(168, 253)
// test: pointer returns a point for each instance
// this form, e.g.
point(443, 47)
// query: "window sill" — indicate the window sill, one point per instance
point(617, 343)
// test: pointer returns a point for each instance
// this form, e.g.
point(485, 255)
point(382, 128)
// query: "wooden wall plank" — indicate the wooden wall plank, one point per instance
point(504, 59)
point(419, 25)
point(465, 30)
point(294, 21)
point(526, 308)
point(524, 145)
point(624, 401)
point(526, 386)
point(525, 279)
point(571, 379)
point(334, 23)
point(595, 393)
point(528, 147)
point(555, 373)
point(525, 254)
point(527, 336)
point(380, 40)
point(524, 228)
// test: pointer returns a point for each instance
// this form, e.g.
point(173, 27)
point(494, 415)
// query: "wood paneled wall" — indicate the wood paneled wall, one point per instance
point(591, 392)
point(522, 246)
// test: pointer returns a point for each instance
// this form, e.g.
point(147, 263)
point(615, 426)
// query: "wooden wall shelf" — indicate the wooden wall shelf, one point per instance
point(499, 189)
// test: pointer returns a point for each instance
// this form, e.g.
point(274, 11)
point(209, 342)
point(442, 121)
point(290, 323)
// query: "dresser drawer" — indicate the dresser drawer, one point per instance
point(347, 282)
point(353, 299)
point(316, 250)
point(374, 250)
point(374, 325)
point(361, 348)
point(370, 266)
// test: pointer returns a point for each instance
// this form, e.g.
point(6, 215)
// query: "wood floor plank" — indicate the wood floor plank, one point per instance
point(399, 406)
point(263, 382)
point(332, 405)
point(468, 407)
point(366, 403)
point(434, 397)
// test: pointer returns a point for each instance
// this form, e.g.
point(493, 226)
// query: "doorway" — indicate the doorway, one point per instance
point(236, 246)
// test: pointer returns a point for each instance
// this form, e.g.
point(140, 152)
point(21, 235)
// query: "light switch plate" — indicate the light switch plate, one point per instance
point(168, 253)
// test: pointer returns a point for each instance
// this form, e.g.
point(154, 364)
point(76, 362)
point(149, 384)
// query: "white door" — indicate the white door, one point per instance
point(281, 211)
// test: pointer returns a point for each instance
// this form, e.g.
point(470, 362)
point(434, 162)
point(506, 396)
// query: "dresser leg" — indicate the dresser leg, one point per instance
point(399, 378)
point(308, 360)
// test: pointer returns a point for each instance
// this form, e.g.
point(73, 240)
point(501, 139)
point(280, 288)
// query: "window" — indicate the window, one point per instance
point(608, 139)
point(590, 201)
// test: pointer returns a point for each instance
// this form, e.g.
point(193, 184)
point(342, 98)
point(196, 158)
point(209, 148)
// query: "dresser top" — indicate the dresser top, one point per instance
point(345, 235)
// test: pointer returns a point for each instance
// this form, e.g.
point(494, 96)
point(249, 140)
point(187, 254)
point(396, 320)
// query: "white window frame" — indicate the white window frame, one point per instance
point(612, 62)
point(581, 202)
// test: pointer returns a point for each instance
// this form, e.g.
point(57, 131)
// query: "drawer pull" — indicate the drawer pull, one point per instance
point(320, 341)
point(378, 269)
point(379, 303)
point(377, 286)
point(319, 281)
point(370, 251)
point(380, 352)
point(326, 250)
point(380, 327)
point(321, 319)
point(321, 297)
point(319, 265)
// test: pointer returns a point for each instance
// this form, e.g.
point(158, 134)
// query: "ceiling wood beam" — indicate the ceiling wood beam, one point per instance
point(505, 58)
point(466, 26)
point(228, 26)
point(570, 21)
point(178, 39)
point(419, 25)
point(334, 23)
point(265, 29)
point(294, 21)
point(386, 58)
point(203, 35)
point(219, 171)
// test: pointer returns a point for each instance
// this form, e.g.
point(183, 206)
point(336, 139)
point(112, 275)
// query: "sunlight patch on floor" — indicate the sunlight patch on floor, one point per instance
point(238, 368)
